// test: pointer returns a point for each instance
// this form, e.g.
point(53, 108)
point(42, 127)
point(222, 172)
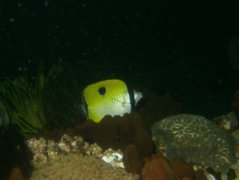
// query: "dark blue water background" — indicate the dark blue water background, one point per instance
point(176, 48)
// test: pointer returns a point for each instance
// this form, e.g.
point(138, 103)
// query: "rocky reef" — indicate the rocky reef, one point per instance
point(177, 147)
point(196, 140)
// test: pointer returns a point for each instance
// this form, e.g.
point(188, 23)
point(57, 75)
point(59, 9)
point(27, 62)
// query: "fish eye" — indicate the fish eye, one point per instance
point(102, 91)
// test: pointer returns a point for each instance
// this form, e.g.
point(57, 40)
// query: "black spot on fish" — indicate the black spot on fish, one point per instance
point(102, 91)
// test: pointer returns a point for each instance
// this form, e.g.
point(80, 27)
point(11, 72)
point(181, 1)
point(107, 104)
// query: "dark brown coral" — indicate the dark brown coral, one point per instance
point(116, 132)
point(185, 171)
point(132, 159)
point(158, 167)
point(16, 174)
point(119, 132)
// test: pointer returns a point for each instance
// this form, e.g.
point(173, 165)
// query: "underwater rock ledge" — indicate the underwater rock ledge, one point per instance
point(196, 140)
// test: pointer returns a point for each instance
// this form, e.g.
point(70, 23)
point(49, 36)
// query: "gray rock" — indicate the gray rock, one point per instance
point(195, 139)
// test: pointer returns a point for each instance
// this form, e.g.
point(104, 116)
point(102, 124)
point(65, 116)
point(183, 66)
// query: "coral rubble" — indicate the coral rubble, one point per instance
point(45, 150)
point(77, 167)
point(73, 158)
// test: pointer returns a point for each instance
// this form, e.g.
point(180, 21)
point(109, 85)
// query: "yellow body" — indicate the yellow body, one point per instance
point(109, 97)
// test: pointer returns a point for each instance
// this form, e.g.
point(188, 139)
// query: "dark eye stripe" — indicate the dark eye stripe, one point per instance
point(131, 97)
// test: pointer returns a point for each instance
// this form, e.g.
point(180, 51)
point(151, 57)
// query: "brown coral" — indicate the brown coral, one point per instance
point(16, 174)
point(157, 168)
point(119, 132)
point(182, 169)
point(185, 171)
point(115, 132)
point(132, 160)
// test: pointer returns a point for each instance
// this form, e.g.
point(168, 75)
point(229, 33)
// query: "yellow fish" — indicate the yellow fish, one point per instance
point(109, 97)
